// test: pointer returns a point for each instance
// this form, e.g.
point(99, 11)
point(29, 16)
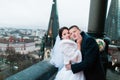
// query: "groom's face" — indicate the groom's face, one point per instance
point(74, 33)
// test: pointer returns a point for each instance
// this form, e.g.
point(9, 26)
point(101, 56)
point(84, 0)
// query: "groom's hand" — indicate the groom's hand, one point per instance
point(68, 66)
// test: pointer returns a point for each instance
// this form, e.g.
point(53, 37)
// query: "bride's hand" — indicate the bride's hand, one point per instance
point(79, 41)
point(68, 66)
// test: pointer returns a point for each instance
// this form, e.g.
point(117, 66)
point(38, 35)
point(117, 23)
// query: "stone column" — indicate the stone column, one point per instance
point(97, 16)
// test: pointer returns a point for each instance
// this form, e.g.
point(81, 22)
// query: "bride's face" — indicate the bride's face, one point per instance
point(65, 34)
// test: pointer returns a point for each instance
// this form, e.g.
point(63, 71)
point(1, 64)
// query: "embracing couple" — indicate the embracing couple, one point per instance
point(76, 55)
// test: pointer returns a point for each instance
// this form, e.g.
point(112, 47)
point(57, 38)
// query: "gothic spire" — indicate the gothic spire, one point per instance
point(53, 22)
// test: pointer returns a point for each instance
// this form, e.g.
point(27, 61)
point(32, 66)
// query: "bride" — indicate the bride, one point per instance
point(56, 56)
point(69, 53)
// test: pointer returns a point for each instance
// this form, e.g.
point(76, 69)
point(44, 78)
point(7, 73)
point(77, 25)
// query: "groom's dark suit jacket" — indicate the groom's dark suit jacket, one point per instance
point(91, 63)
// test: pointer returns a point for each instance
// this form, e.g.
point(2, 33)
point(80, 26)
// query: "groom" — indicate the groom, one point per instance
point(91, 64)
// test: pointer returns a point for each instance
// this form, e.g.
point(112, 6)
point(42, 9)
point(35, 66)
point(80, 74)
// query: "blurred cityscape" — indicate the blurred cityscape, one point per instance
point(19, 49)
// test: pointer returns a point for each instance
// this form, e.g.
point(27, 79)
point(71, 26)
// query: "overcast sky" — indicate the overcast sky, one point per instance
point(31, 13)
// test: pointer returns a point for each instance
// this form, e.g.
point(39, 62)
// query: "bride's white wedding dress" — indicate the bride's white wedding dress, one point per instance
point(70, 53)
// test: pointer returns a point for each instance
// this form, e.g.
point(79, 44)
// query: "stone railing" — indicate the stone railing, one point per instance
point(41, 71)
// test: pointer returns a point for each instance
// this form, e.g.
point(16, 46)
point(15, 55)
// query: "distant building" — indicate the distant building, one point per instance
point(53, 26)
point(52, 32)
point(111, 20)
point(112, 26)
point(23, 48)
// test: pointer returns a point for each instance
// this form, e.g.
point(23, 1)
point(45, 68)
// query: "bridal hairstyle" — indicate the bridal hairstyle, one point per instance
point(61, 30)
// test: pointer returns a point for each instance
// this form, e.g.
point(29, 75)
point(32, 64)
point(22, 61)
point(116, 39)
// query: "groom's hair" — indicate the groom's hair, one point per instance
point(61, 30)
point(74, 26)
